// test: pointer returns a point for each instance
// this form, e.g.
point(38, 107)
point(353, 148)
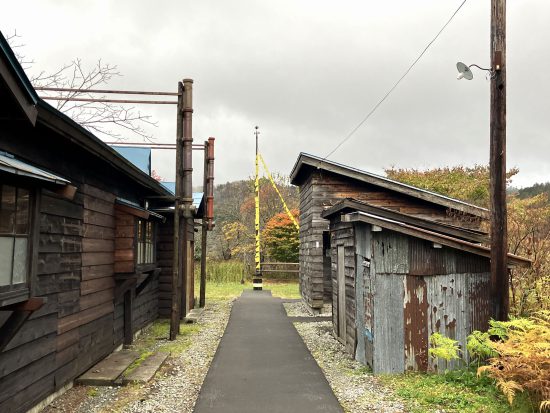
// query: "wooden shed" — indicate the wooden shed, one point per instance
point(323, 183)
point(79, 245)
point(398, 279)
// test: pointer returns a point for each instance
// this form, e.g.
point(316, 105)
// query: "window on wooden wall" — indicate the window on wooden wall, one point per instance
point(145, 242)
point(15, 238)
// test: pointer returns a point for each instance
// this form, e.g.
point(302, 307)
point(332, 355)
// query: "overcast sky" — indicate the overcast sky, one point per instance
point(307, 72)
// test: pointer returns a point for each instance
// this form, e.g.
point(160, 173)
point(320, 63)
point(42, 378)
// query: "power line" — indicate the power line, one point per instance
point(349, 135)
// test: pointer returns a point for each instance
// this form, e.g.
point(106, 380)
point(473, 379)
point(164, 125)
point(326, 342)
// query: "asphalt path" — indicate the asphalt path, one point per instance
point(262, 364)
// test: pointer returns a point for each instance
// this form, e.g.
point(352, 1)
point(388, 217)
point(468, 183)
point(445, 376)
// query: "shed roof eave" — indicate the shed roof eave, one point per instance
point(352, 205)
point(513, 260)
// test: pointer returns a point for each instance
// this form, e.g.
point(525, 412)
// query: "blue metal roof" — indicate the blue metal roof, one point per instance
point(197, 196)
point(140, 157)
point(8, 163)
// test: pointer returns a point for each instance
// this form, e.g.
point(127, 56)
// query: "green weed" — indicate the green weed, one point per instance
point(454, 391)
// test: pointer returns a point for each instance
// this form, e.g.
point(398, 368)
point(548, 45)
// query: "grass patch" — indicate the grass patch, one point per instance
point(183, 341)
point(92, 392)
point(137, 362)
point(454, 391)
point(229, 290)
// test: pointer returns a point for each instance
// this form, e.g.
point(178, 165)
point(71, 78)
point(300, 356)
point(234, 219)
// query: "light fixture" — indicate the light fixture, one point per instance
point(464, 71)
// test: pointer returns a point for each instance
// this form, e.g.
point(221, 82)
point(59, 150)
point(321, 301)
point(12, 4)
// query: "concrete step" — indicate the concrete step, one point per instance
point(108, 370)
point(146, 370)
point(194, 315)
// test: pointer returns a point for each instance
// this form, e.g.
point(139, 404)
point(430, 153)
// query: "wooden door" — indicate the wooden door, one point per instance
point(341, 278)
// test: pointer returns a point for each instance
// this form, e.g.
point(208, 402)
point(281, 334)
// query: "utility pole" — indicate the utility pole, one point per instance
point(257, 280)
point(177, 258)
point(499, 230)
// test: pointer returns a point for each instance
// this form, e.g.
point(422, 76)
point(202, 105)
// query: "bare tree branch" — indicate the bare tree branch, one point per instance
point(101, 117)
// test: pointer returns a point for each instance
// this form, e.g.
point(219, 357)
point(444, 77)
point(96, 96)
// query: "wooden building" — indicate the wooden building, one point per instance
point(397, 279)
point(81, 249)
point(323, 183)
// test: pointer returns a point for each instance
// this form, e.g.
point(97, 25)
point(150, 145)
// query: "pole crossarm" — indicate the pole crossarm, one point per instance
point(279, 193)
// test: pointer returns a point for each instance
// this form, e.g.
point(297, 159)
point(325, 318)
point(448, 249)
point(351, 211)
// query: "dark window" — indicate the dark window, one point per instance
point(14, 237)
point(145, 244)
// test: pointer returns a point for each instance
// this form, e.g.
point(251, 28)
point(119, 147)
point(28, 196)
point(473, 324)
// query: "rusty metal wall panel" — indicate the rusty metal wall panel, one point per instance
point(448, 312)
point(424, 259)
point(388, 324)
point(416, 323)
point(391, 250)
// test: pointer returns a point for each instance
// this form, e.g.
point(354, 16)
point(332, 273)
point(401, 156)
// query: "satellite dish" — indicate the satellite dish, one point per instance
point(464, 71)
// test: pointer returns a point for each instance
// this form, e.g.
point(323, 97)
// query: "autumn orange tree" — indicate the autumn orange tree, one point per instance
point(281, 237)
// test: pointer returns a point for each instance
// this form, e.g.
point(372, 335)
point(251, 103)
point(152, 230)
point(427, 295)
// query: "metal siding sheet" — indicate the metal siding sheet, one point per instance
point(448, 313)
point(391, 250)
point(388, 324)
point(478, 300)
point(424, 259)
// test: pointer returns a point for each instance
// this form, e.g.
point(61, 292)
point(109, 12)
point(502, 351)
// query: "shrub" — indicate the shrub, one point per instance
point(443, 347)
point(523, 358)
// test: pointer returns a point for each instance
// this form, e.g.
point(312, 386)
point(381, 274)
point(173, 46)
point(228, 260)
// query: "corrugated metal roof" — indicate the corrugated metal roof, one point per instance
point(9, 164)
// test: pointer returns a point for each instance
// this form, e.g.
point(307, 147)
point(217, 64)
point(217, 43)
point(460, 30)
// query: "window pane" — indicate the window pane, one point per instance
point(140, 230)
point(6, 260)
point(7, 209)
point(22, 220)
point(149, 234)
point(20, 261)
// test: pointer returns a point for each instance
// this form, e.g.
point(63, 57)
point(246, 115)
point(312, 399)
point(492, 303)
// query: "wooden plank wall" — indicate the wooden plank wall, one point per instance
point(165, 252)
point(31, 365)
point(342, 233)
point(87, 333)
point(125, 242)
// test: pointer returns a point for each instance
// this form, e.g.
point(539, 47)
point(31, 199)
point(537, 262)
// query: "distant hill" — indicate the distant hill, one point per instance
point(536, 189)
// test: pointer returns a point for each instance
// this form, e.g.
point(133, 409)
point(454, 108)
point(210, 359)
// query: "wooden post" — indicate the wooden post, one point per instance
point(202, 294)
point(208, 219)
point(499, 237)
point(128, 317)
point(188, 214)
point(177, 259)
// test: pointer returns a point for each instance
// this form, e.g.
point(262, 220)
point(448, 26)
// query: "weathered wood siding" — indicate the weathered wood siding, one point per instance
point(343, 235)
point(321, 190)
point(125, 242)
point(75, 273)
point(165, 253)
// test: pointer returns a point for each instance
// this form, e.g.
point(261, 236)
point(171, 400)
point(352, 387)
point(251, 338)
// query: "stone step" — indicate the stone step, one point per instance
point(194, 315)
point(146, 370)
point(108, 370)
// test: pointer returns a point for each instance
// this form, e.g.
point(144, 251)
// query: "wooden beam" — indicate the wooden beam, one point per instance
point(21, 312)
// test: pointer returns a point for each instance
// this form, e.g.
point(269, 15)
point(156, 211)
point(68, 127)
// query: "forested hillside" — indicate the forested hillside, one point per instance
point(233, 235)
